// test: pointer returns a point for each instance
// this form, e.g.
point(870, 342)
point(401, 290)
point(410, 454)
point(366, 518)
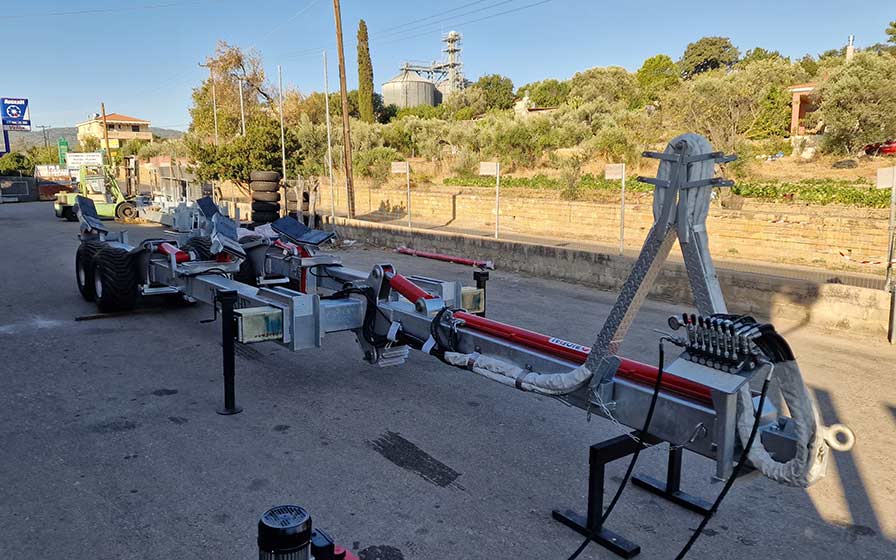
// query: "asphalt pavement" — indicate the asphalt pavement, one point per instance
point(110, 446)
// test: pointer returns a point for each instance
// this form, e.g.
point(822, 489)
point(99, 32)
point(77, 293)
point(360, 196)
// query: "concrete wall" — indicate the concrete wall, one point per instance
point(740, 229)
point(836, 306)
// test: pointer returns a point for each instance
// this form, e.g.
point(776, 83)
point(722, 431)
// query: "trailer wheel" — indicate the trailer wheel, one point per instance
point(126, 211)
point(84, 268)
point(262, 196)
point(246, 274)
point(114, 280)
point(68, 212)
point(267, 176)
point(201, 246)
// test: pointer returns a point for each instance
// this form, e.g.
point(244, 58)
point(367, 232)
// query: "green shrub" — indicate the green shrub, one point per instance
point(571, 176)
point(587, 182)
point(815, 191)
point(375, 164)
point(465, 163)
point(15, 164)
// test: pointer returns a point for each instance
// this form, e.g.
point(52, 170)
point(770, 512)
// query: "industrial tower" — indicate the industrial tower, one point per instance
point(447, 74)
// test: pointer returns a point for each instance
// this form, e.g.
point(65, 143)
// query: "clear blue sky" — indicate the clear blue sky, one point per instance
point(141, 56)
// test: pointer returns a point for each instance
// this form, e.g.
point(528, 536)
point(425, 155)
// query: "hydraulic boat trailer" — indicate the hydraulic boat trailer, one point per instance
point(279, 287)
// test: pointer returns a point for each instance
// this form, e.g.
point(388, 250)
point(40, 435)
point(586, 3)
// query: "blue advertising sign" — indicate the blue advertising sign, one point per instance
point(14, 113)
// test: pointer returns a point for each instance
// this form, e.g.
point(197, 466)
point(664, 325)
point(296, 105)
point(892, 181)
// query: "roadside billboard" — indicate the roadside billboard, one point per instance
point(15, 114)
point(74, 160)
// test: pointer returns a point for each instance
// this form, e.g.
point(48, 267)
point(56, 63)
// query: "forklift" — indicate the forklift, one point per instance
point(97, 183)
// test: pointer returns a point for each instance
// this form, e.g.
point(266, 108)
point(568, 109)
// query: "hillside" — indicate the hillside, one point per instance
point(25, 140)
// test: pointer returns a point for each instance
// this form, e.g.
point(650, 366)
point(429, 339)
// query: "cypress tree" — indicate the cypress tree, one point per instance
point(365, 75)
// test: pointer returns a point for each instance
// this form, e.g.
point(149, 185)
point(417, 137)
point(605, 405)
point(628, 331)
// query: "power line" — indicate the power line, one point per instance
point(98, 10)
point(470, 22)
point(302, 53)
point(280, 26)
point(442, 21)
point(432, 16)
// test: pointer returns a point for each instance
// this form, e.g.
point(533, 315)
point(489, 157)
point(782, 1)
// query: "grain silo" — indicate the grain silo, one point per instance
point(409, 89)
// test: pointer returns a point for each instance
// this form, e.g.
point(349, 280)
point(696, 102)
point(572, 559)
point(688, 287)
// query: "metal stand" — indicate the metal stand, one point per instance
point(671, 488)
point(227, 299)
point(891, 325)
point(481, 278)
point(606, 452)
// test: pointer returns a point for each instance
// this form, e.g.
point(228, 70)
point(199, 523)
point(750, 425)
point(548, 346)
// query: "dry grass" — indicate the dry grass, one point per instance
point(795, 169)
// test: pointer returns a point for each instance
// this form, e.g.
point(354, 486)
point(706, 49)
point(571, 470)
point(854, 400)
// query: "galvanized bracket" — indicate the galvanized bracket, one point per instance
point(682, 195)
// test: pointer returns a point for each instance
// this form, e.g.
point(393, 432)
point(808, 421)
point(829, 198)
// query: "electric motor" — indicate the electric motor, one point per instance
point(284, 533)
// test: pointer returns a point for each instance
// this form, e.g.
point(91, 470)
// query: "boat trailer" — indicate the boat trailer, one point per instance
point(277, 285)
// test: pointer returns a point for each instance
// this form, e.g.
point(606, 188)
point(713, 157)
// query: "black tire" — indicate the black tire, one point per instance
point(264, 217)
point(126, 211)
point(292, 206)
point(262, 196)
point(264, 186)
point(258, 206)
point(291, 195)
point(246, 274)
point(273, 176)
point(201, 247)
point(84, 267)
point(115, 280)
point(68, 212)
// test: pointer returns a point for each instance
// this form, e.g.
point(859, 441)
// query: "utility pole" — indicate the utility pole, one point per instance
point(43, 128)
point(347, 139)
point(329, 142)
point(211, 74)
point(106, 132)
point(283, 140)
point(214, 104)
point(242, 110)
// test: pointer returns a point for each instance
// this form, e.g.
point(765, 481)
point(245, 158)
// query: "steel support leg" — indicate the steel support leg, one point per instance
point(599, 455)
point(671, 489)
point(227, 300)
point(481, 278)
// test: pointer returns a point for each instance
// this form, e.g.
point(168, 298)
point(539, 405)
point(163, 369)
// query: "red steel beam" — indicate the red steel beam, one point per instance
point(169, 249)
point(570, 351)
point(446, 258)
point(408, 289)
point(576, 353)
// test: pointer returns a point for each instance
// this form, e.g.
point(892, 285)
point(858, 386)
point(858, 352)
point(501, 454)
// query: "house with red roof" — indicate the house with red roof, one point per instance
point(121, 129)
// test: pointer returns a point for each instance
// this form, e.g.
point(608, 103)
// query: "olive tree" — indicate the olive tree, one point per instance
point(857, 104)
point(750, 102)
point(709, 53)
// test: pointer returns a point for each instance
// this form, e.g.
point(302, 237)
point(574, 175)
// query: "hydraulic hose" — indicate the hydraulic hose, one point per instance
point(735, 473)
point(631, 464)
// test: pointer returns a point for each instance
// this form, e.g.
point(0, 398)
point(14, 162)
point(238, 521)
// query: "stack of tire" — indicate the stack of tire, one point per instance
point(265, 188)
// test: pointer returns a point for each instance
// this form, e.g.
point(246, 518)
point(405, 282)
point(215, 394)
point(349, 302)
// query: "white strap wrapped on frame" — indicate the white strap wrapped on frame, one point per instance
point(515, 376)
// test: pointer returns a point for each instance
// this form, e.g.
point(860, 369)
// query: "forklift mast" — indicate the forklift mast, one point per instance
point(110, 184)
